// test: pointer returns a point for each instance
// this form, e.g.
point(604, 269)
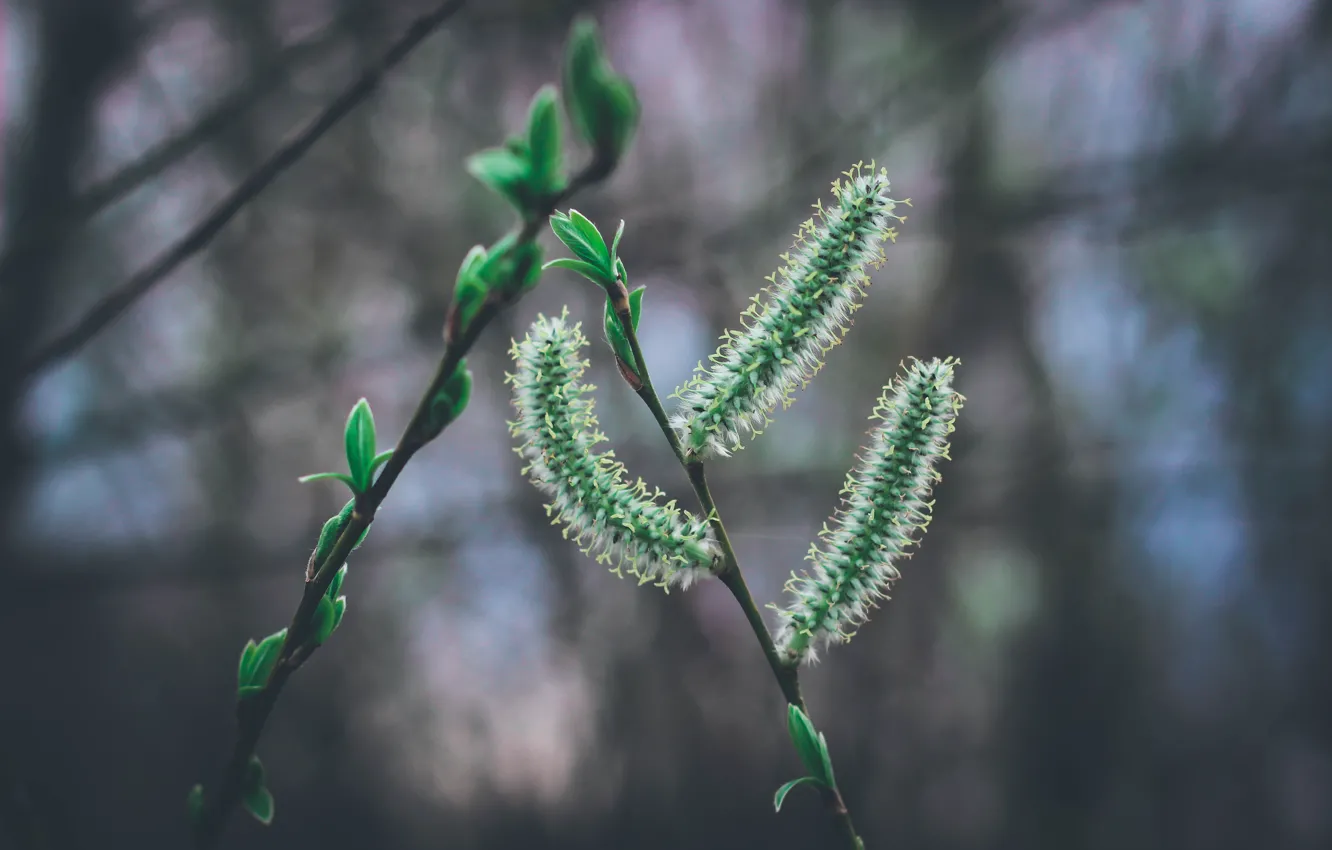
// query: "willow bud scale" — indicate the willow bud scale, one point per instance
point(620, 523)
point(807, 311)
point(884, 505)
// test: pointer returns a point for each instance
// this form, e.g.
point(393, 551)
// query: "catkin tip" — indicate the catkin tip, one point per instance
point(885, 507)
point(793, 323)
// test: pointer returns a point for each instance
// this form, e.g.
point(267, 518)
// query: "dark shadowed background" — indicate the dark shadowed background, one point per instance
point(1118, 632)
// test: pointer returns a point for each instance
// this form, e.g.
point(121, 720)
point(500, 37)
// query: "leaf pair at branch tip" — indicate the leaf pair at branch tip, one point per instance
point(529, 169)
point(603, 266)
point(602, 104)
point(592, 259)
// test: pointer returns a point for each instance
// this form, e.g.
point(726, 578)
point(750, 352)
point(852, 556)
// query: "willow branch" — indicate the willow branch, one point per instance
point(787, 676)
point(252, 712)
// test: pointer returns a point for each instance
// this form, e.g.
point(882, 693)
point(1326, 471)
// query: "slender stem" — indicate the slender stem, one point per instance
point(619, 297)
point(731, 576)
point(786, 674)
point(124, 295)
point(252, 713)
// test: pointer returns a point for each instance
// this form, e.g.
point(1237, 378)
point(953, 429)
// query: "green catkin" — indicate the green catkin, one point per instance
point(884, 505)
point(620, 523)
point(807, 311)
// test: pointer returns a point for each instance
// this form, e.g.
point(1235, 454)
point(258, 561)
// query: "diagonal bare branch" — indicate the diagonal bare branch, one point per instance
point(170, 151)
point(121, 298)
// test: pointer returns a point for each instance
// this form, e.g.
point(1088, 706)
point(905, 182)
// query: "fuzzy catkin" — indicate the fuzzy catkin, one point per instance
point(806, 312)
point(884, 504)
point(620, 523)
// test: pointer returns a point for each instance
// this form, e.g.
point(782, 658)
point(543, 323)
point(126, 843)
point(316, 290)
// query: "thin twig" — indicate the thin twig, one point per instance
point(252, 712)
point(170, 151)
point(120, 299)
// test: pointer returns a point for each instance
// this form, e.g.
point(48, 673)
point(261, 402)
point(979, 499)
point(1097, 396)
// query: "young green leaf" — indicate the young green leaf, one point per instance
point(258, 800)
point(601, 104)
point(246, 667)
point(619, 343)
point(323, 624)
point(544, 144)
point(266, 657)
point(582, 237)
point(476, 255)
point(636, 305)
point(195, 804)
point(828, 776)
point(615, 331)
point(518, 146)
point(328, 538)
point(511, 267)
point(244, 692)
point(582, 65)
point(618, 119)
point(328, 535)
point(806, 741)
point(615, 243)
point(336, 476)
point(379, 460)
point(259, 803)
point(469, 292)
point(505, 172)
point(339, 608)
point(359, 438)
point(589, 233)
point(335, 586)
point(527, 273)
point(451, 400)
point(587, 270)
point(494, 268)
point(780, 796)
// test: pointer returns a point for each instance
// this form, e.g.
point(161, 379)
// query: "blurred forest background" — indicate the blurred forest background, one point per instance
point(1118, 632)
